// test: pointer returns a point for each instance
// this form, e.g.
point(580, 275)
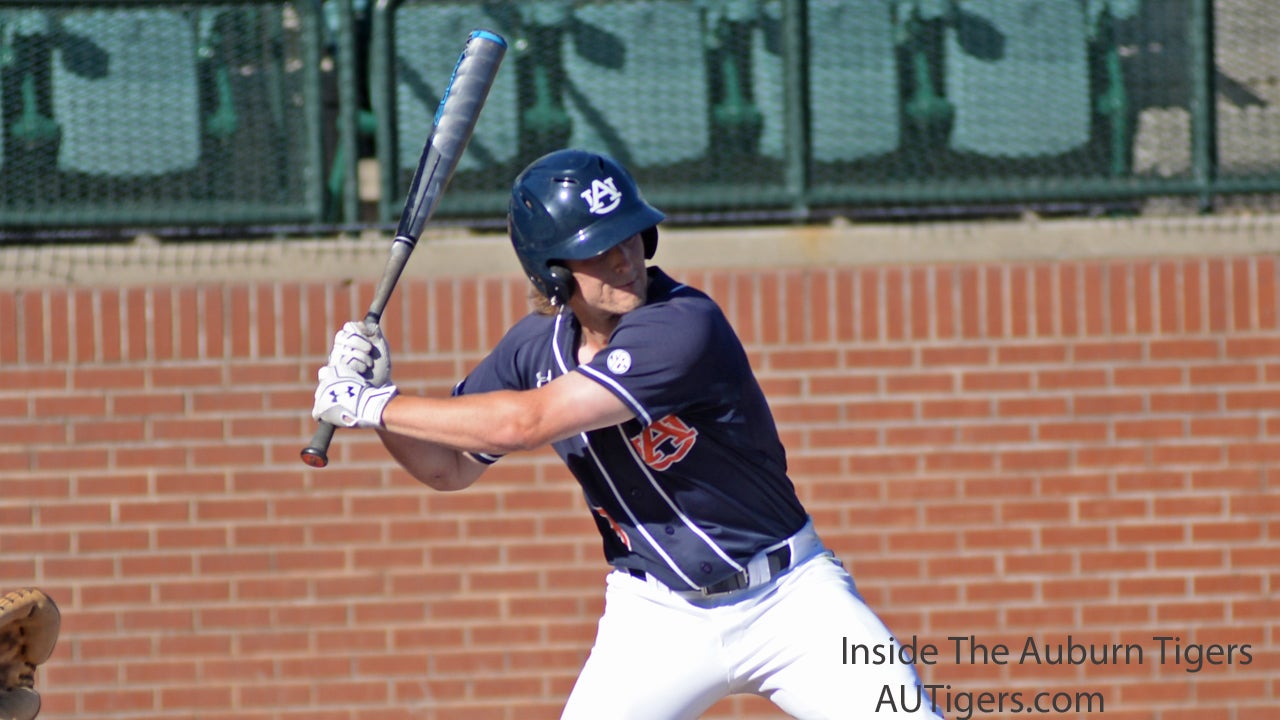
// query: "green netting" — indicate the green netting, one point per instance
point(733, 106)
point(160, 113)
point(147, 112)
point(1236, 138)
point(414, 52)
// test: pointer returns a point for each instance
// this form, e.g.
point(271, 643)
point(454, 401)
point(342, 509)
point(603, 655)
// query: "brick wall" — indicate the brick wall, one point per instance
point(1076, 451)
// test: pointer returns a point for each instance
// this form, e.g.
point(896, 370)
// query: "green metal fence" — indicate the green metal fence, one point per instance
point(735, 106)
point(161, 113)
point(255, 112)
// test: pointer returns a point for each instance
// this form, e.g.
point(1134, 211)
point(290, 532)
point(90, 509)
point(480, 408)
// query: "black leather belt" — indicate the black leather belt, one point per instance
point(779, 560)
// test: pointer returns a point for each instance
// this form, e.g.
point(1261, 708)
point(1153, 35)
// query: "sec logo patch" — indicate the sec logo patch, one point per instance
point(618, 362)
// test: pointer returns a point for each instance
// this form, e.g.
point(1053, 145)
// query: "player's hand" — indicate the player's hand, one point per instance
point(361, 347)
point(344, 398)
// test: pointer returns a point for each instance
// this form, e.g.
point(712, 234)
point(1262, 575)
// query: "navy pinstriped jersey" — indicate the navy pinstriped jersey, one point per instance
point(696, 484)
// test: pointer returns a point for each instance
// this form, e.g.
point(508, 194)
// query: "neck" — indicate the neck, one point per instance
point(596, 326)
point(594, 336)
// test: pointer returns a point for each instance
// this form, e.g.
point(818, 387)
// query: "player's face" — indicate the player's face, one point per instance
point(614, 282)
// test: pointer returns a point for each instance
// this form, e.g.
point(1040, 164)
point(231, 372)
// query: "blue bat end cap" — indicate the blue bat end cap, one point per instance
point(488, 35)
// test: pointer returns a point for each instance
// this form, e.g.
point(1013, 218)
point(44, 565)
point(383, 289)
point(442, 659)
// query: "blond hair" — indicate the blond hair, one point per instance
point(540, 303)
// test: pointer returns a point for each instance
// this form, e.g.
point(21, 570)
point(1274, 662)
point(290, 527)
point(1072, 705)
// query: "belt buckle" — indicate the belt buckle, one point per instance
point(740, 580)
point(776, 561)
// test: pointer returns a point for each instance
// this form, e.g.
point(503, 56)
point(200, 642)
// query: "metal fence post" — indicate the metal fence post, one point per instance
point(1204, 149)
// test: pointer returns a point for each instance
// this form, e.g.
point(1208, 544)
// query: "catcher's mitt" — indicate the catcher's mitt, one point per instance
point(29, 622)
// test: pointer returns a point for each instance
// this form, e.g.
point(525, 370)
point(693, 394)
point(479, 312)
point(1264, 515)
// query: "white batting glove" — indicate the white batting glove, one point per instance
point(346, 399)
point(361, 347)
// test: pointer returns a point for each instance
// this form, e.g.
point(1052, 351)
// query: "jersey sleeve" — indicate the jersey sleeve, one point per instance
point(665, 359)
point(499, 370)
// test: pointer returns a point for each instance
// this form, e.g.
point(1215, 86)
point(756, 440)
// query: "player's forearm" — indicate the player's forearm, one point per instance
point(494, 423)
point(431, 437)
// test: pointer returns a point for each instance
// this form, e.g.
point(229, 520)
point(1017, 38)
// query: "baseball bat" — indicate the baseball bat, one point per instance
point(455, 121)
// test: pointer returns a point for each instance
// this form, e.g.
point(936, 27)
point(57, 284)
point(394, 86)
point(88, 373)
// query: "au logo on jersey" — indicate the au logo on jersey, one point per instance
point(665, 442)
point(602, 197)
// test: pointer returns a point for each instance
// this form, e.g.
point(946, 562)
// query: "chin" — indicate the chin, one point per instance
point(632, 302)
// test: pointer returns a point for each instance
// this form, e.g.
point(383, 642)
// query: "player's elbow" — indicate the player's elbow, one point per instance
point(435, 466)
point(457, 474)
point(444, 481)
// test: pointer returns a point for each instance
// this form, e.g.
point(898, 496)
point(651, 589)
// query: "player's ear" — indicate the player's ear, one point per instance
point(560, 284)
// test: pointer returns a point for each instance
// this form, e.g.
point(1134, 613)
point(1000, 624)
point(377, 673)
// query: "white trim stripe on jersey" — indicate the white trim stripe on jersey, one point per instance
point(643, 415)
point(636, 407)
point(689, 523)
point(632, 516)
point(634, 404)
point(555, 342)
point(613, 488)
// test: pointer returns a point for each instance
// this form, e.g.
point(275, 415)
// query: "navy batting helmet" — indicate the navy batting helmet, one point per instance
point(574, 205)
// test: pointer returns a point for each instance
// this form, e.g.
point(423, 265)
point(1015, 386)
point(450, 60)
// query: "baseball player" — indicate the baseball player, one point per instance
point(720, 584)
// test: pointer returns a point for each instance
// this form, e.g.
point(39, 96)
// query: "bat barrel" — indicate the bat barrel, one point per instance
point(455, 121)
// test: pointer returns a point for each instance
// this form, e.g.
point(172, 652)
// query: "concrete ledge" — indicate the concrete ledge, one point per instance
point(455, 252)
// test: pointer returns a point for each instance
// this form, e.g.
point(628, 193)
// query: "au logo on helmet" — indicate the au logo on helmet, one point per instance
point(602, 197)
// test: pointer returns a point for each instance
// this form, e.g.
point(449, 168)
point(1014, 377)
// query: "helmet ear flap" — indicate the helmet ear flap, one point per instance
point(650, 238)
point(560, 285)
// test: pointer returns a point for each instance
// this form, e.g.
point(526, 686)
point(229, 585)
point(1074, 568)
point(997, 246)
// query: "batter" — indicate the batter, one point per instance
point(721, 585)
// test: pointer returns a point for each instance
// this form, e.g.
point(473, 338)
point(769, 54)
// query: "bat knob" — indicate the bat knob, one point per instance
point(316, 453)
point(314, 457)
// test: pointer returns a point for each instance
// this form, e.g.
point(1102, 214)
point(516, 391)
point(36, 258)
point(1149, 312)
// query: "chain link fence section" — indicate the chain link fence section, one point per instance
point(161, 113)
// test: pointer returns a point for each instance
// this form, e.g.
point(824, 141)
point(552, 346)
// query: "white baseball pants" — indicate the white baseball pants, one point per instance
point(659, 656)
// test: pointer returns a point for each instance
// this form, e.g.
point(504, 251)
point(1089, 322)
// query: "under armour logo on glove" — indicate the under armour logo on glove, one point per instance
point(344, 398)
